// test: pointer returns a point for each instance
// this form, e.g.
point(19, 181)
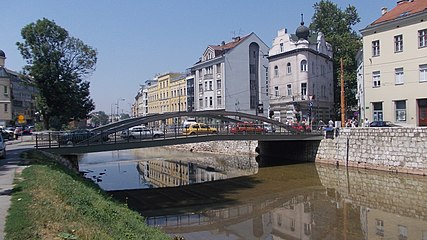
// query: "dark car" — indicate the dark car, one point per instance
point(382, 124)
point(76, 136)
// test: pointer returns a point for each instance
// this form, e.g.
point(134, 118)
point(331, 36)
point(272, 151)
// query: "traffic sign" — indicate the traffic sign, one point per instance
point(21, 118)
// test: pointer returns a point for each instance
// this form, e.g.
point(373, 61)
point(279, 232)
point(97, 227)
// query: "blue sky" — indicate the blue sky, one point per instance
point(136, 39)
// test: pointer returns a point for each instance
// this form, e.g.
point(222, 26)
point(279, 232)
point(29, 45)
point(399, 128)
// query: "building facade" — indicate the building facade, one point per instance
point(301, 77)
point(395, 65)
point(232, 77)
point(17, 98)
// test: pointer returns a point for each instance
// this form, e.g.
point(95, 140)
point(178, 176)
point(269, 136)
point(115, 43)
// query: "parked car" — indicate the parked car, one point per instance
point(247, 127)
point(141, 132)
point(382, 124)
point(76, 136)
point(269, 128)
point(2, 147)
point(199, 128)
point(6, 135)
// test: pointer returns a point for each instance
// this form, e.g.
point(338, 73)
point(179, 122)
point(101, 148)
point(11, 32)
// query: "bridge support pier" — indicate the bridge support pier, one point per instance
point(280, 152)
point(73, 159)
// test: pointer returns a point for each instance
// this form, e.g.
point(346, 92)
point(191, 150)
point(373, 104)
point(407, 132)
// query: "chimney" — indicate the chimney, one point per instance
point(383, 10)
point(401, 1)
point(222, 43)
point(236, 38)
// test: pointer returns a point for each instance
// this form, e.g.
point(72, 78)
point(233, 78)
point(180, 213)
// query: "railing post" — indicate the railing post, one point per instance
point(50, 134)
point(37, 145)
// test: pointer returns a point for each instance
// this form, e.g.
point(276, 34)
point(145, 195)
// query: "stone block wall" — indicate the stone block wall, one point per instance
point(388, 192)
point(221, 147)
point(390, 149)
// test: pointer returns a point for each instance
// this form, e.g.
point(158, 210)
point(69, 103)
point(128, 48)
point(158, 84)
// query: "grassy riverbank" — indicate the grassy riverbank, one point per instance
point(52, 202)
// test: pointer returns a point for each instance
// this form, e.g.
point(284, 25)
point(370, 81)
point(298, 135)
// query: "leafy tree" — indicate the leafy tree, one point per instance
point(99, 118)
point(58, 64)
point(123, 116)
point(337, 26)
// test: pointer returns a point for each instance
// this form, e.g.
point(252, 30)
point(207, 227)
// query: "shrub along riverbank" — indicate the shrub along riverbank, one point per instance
point(52, 202)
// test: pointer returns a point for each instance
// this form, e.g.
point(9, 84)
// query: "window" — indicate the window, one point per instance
point(210, 102)
point(206, 85)
point(403, 232)
point(304, 66)
point(400, 110)
point(218, 68)
point(200, 88)
point(252, 69)
point(398, 43)
point(375, 48)
point(5, 107)
point(282, 48)
point(209, 70)
point(276, 91)
point(206, 101)
point(218, 84)
point(5, 90)
point(201, 102)
point(218, 101)
point(423, 73)
point(210, 85)
point(303, 89)
point(376, 81)
point(288, 68)
point(276, 71)
point(380, 227)
point(289, 88)
point(398, 73)
point(378, 111)
point(422, 38)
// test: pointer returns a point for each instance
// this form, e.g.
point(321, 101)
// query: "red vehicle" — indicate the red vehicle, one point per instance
point(247, 127)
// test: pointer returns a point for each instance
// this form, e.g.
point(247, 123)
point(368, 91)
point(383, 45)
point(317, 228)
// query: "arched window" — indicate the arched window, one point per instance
point(276, 71)
point(304, 66)
point(289, 68)
point(282, 47)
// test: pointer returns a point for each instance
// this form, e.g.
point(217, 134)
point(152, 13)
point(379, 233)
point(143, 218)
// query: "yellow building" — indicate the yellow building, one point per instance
point(168, 94)
point(395, 65)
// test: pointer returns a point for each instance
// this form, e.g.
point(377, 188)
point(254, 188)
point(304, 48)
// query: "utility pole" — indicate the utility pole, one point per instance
point(342, 95)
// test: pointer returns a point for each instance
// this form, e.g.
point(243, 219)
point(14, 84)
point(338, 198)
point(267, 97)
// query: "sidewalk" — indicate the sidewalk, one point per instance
point(8, 168)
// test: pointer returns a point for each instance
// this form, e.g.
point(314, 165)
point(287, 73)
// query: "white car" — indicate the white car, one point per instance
point(141, 132)
point(2, 147)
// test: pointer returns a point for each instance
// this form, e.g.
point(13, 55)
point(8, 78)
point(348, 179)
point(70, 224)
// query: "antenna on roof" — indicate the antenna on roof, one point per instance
point(302, 18)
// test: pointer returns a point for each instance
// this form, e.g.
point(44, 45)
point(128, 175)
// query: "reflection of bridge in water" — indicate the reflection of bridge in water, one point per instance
point(330, 204)
point(94, 142)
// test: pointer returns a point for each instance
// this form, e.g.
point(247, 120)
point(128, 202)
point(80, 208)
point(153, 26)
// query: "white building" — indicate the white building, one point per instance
point(301, 76)
point(395, 65)
point(233, 77)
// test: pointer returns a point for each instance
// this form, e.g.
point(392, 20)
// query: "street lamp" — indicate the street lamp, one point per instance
point(118, 101)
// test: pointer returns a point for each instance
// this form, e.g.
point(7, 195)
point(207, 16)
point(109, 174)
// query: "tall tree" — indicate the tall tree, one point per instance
point(337, 25)
point(58, 64)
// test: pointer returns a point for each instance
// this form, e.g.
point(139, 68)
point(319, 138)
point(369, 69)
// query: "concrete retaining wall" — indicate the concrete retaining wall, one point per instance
point(389, 149)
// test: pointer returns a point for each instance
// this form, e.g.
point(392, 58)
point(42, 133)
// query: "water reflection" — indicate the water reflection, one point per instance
point(303, 201)
point(157, 167)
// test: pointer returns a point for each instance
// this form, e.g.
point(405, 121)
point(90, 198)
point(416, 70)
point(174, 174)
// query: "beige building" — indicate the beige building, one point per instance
point(395, 65)
point(301, 76)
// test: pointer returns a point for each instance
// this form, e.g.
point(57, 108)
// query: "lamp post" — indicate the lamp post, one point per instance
point(118, 101)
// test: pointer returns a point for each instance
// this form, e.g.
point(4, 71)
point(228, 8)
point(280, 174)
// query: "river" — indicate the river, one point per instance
point(205, 196)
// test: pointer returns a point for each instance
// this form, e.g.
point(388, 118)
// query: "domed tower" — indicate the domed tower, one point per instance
point(2, 58)
point(302, 31)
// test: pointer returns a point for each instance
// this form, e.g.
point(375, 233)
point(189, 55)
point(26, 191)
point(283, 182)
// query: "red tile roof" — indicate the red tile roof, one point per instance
point(405, 8)
point(223, 48)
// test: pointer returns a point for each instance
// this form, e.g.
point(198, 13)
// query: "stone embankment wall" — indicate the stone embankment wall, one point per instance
point(390, 149)
point(383, 191)
point(221, 147)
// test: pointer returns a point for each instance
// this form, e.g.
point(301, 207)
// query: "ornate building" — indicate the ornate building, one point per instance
point(301, 76)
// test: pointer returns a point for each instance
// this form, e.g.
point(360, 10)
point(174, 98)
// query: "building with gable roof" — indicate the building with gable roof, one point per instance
point(233, 77)
point(301, 76)
point(395, 65)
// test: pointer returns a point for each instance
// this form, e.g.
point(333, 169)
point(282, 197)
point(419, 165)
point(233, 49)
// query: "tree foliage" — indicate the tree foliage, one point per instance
point(337, 26)
point(58, 64)
point(99, 118)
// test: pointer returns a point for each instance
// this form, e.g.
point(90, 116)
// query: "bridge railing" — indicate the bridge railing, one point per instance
point(58, 139)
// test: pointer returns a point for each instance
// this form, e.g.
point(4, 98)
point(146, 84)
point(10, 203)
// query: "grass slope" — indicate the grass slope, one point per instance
point(51, 202)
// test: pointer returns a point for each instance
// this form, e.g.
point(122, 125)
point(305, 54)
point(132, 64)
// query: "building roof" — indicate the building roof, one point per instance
point(224, 47)
point(2, 54)
point(403, 9)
